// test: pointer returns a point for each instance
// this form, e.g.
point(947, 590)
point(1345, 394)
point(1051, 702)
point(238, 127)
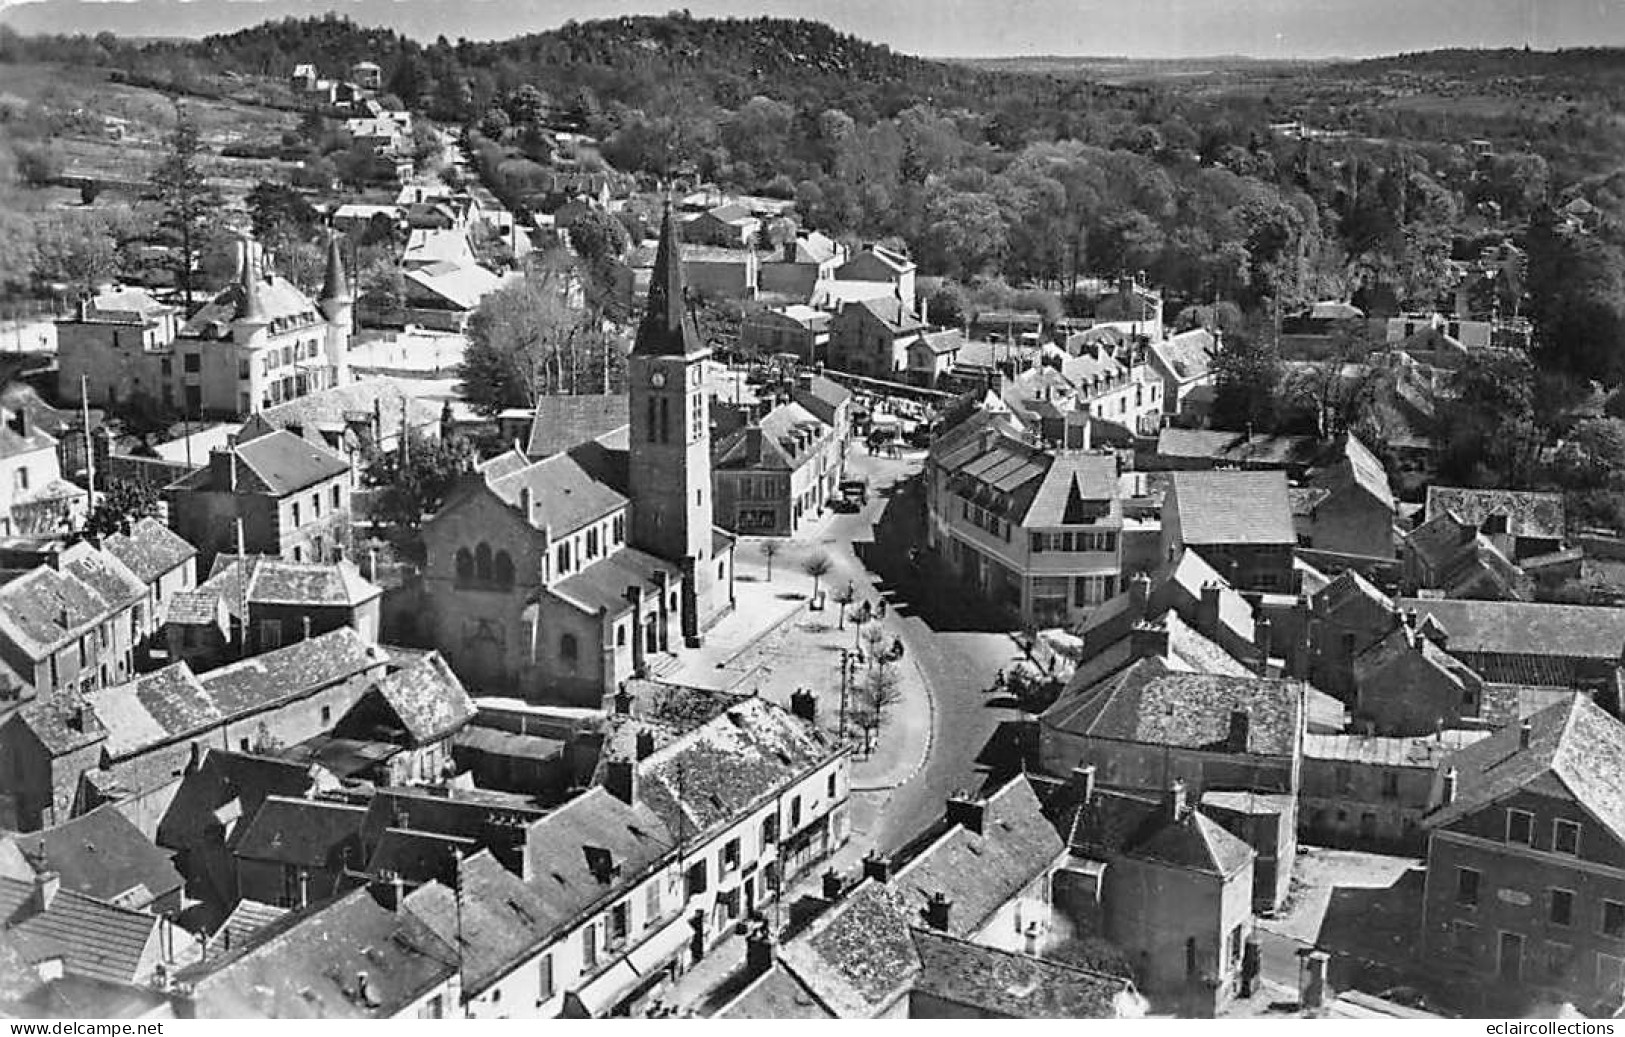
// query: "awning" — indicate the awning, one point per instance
point(634, 973)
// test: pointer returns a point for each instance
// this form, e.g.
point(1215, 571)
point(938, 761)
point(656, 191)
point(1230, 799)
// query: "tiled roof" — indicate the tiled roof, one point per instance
point(565, 494)
point(1188, 651)
point(775, 994)
point(1528, 513)
point(246, 919)
point(889, 311)
point(62, 723)
point(981, 871)
point(1402, 642)
point(1350, 590)
point(428, 698)
point(1524, 628)
point(95, 940)
point(561, 422)
point(493, 918)
point(272, 581)
point(1188, 355)
point(710, 777)
point(150, 550)
point(1229, 507)
point(416, 857)
point(195, 608)
point(103, 573)
point(1356, 466)
point(1002, 984)
point(332, 410)
point(1150, 703)
point(102, 855)
point(562, 849)
point(858, 957)
point(222, 778)
point(310, 833)
point(278, 299)
point(308, 966)
point(785, 439)
point(277, 463)
point(1574, 742)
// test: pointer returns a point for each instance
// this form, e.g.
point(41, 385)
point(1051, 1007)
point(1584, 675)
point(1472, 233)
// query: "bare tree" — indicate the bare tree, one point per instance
point(770, 550)
point(817, 566)
point(874, 640)
point(878, 692)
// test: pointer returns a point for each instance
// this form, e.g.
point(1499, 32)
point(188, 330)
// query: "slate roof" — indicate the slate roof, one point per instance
point(493, 918)
point(1402, 642)
point(775, 994)
point(428, 698)
point(722, 769)
point(272, 581)
point(890, 312)
point(603, 583)
point(1144, 827)
point(246, 919)
point(786, 438)
point(150, 550)
point(33, 606)
point(1074, 477)
point(278, 301)
point(996, 983)
point(1574, 742)
point(103, 573)
point(310, 833)
point(668, 327)
point(103, 855)
point(1228, 507)
point(95, 940)
point(1529, 514)
point(1188, 650)
point(332, 410)
point(1150, 703)
point(195, 608)
point(224, 777)
point(561, 422)
point(277, 464)
point(565, 494)
point(306, 966)
point(1355, 466)
point(561, 848)
point(1237, 448)
point(1525, 628)
point(463, 284)
point(981, 871)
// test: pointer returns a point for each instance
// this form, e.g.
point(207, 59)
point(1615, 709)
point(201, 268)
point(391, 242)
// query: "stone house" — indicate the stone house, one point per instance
point(776, 476)
point(1239, 522)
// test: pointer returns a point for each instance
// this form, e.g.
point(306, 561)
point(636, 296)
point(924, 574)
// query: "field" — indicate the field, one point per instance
point(114, 130)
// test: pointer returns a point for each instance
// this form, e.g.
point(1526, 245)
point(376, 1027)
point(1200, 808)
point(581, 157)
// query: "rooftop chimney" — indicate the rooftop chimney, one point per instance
point(937, 910)
point(1139, 592)
point(645, 745)
point(1523, 735)
point(1240, 724)
point(804, 704)
point(1207, 610)
point(621, 780)
point(1449, 792)
point(46, 885)
point(760, 947)
point(968, 811)
point(304, 623)
point(1083, 779)
point(1148, 640)
point(1263, 637)
point(22, 423)
point(1174, 800)
point(1313, 995)
point(833, 884)
point(876, 867)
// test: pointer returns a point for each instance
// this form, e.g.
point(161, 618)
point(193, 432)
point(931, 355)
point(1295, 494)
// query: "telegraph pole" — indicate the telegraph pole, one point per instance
point(90, 453)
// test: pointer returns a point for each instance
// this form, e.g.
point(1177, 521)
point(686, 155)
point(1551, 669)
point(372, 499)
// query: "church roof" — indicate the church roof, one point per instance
point(668, 328)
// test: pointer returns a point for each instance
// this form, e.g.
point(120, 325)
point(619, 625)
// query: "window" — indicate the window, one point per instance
point(831, 784)
point(651, 905)
point(502, 569)
point(482, 563)
point(592, 542)
point(1390, 785)
point(271, 633)
point(1520, 827)
point(1610, 972)
point(1613, 918)
point(619, 923)
point(795, 813)
point(434, 1008)
point(1559, 960)
point(335, 497)
point(296, 513)
point(465, 565)
point(770, 830)
point(730, 856)
point(20, 480)
point(1565, 837)
point(618, 529)
point(190, 363)
point(315, 505)
point(1560, 907)
point(589, 946)
point(696, 879)
point(327, 714)
point(569, 650)
point(620, 635)
point(544, 978)
point(1466, 887)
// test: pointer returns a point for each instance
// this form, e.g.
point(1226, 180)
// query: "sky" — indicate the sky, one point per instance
point(1133, 28)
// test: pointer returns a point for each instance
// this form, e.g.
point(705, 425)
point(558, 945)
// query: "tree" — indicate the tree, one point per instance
point(817, 566)
point(382, 295)
point(495, 124)
point(879, 690)
point(416, 484)
point(74, 249)
point(119, 506)
point(278, 210)
point(188, 203)
point(1246, 383)
point(844, 597)
point(770, 550)
point(525, 341)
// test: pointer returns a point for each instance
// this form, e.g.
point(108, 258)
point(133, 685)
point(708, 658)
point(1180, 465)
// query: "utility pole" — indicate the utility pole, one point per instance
point(90, 453)
point(846, 670)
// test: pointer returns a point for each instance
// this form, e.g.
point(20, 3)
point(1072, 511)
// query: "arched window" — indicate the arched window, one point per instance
point(569, 651)
point(465, 565)
point(502, 569)
point(482, 563)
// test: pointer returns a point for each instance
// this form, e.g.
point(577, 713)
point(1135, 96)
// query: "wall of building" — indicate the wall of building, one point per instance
point(1364, 806)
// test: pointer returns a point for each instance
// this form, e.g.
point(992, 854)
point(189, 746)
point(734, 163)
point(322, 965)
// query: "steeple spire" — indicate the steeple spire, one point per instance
point(668, 329)
point(335, 287)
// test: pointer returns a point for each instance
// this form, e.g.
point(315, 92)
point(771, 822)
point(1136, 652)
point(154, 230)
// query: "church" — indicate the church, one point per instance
point(555, 580)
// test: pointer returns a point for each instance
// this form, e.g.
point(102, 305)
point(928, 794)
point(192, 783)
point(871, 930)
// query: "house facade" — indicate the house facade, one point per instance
point(776, 476)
